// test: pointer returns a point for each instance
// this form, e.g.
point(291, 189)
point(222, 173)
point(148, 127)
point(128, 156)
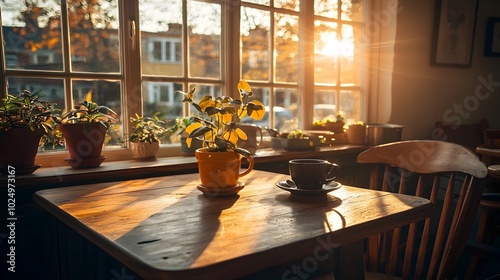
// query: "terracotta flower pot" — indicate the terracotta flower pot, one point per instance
point(221, 169)
point(84, 142)
point(18, 148)
point(144, 150)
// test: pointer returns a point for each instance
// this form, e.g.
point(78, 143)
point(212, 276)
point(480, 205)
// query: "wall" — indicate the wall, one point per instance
point(422, 94)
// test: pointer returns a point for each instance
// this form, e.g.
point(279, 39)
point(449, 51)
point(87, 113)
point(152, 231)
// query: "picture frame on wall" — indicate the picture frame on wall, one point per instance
point(453, 36)
point(492, 46)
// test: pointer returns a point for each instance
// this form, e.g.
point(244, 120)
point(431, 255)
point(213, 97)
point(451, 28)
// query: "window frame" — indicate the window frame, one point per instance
point(131, 77)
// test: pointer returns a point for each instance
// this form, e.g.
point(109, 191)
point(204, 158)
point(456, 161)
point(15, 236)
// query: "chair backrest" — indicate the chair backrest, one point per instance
point(468, 135)
point(490, 150)
point(445, 173)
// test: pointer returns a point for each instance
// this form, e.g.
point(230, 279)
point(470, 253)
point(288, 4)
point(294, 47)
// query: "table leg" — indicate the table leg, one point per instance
point(350, 263)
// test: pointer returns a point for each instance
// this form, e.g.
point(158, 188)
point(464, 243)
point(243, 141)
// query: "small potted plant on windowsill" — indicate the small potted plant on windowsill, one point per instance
point(194, 143)
point(220, 159)
point(84, 129)
point(24, 121)
point(356, 133)
point(145, 136)
point(335, 125)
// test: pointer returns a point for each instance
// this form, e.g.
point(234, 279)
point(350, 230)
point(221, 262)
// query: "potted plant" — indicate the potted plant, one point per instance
point(84, 129)
point(220, 160)
point(356, 133)
point(194, 143)
point(335, 125)
point(24, 120)
point(145, 136)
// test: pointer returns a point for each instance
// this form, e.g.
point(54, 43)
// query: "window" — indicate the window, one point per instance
point(165, 50)
point(75, 50)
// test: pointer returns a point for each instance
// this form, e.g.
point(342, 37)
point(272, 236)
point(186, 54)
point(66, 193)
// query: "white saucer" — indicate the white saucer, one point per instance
point(296, 191)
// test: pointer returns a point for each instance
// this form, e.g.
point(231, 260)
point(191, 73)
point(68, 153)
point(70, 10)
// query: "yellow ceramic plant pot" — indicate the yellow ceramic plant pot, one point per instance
point(221, 169)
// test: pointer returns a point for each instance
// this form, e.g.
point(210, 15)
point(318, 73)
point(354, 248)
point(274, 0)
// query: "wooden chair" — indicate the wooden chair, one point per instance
point(445, 173)
point(467, 135)
point(489, 209)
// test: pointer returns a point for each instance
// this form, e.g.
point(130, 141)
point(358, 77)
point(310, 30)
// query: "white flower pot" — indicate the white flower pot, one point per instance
point(144, 150)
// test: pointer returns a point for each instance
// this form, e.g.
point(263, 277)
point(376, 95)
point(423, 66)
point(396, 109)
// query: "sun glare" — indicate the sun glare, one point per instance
point(334, 47)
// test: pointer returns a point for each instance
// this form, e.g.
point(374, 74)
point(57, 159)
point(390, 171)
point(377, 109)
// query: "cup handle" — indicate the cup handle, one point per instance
point(259, 141)
point(334, 167)
point(249, 168)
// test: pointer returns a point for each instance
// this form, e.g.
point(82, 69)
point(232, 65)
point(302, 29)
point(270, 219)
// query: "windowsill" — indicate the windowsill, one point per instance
point(50, 177)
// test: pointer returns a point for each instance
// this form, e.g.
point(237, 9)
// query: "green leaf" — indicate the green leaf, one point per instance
point(212, 110)
point(200, 131)
point(197, 107)
point(242, 151)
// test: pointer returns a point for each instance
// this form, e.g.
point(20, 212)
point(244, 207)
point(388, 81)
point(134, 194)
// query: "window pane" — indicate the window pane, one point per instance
point(204, 22)
point(350, 56)
point(350, 105)
point(161, 37)
point(157, 52)
point(352, 10)
point(160, 97)
point(104, 93)
point(93, 29)
point(51, 90)
point(287, 4)
point(326, 52)
point(324, 105)
point(327, 8)
point(32, 34)
point(286, 111)
point(256, 57)
point(287, 48)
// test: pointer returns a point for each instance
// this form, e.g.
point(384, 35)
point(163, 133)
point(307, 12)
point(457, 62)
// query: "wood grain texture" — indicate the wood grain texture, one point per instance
point(164, 228)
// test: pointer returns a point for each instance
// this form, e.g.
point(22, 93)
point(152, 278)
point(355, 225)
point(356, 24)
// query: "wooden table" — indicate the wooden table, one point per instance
point(164, 228)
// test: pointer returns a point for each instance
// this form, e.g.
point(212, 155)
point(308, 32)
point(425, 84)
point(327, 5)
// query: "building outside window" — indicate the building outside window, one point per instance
point(164, 50)
point(134, 55)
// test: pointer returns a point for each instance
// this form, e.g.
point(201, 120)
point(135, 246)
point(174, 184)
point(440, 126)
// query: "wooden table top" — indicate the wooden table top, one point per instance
point(164, 228)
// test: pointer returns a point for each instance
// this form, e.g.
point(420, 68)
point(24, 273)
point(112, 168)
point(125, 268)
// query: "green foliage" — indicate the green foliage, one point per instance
point(297, 134)
point(148, 129)
point(218, 128)
point(182, 123)
point(27, 110)
point(338, 119)
point(89, 111)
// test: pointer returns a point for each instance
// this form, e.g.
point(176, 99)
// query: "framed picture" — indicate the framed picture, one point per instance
point(492, 47)
point(453, 37)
